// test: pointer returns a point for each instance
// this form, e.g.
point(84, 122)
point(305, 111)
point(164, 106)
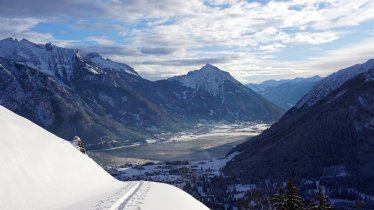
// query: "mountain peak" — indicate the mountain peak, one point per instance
point(47, 58)
point(9, 39)
point(53, 60)
point(209, 78)
point(209, 67)
point(14, 42)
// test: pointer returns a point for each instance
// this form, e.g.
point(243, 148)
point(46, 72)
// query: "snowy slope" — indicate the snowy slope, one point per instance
point(57, 61)
point(102, 63)
point(41, 171)
point(47, 58)
point(333, 82)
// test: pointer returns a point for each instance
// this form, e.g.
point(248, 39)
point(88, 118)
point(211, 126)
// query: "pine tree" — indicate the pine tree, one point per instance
point(321, 201)
point(293, 199)
point(277, 201)
point(290, 200)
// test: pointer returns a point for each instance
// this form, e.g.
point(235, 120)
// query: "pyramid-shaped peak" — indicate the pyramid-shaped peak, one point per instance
point(209, 67)
point(9, 39)
point(209, 78)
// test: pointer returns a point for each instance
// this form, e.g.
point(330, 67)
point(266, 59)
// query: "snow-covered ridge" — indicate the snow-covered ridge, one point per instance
point(209, 78)
point(41, 171)
point(333, 82)
point(54, 60)
point(102, 63)
point(48, 58)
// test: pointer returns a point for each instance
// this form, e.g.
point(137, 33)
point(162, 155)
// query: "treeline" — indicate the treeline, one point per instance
point(287, 198)
point(221, 193)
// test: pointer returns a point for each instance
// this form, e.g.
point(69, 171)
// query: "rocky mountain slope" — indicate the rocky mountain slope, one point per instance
point(333, 82)
point(104, 102)
point(285, 93)
point(232, 99)
point(329, 135)
point(66, 93)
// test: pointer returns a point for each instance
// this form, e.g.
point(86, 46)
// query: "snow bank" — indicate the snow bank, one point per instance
point(40, 171)
point(168, 197)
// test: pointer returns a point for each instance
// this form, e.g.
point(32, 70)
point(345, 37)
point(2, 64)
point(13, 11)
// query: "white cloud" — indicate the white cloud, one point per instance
point(17, 25)
point(20, 28)
point(239, 35)
point(315, 38)
point(333, 60)
point(101, 40)
point(271, 47)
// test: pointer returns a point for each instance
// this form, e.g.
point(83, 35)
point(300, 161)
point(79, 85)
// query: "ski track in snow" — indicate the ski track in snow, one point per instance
point(137, 199)
point(130, 197)
point(55, 172)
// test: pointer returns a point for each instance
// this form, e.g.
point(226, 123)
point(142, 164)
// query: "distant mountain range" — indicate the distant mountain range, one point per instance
point(327, 136)
point(285, 93)
point(108, 104)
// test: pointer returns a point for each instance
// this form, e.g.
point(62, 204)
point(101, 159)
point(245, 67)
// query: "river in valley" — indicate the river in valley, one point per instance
point(211, 144)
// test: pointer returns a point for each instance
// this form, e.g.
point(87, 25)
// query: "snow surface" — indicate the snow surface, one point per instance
point(208, 78)
point(53, 60)
point(333, 82)
point(102, 63)
point(47, 58)
point(41, 171)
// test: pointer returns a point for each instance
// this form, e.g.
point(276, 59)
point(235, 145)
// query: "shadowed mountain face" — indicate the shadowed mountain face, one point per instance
point(233, 100)
point(285, 93)
point(107, 103)
point(327, 135)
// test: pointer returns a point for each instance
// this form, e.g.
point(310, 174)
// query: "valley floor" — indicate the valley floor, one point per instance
point(207, 142)
point(204, 180)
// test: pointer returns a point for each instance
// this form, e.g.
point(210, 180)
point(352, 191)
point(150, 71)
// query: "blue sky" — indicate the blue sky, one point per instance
point(253, 40)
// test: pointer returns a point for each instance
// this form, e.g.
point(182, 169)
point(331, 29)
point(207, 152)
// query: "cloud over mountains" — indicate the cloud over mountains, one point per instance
point(261, 38)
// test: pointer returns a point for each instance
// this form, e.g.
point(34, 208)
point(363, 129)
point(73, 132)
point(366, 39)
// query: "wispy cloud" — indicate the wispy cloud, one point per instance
point(21, 28)
point(101, 40)
point(86, 25)
point(247, 38)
